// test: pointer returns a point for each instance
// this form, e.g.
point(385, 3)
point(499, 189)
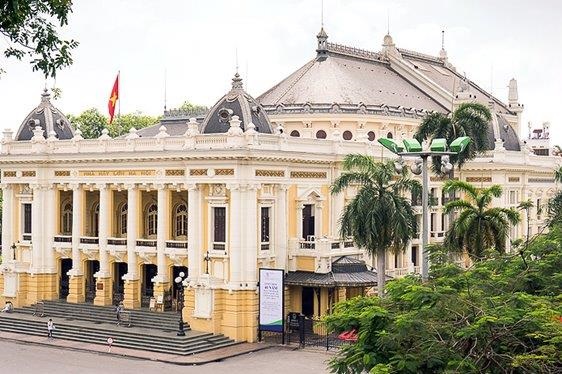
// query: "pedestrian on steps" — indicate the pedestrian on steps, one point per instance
point(50, 328)
point(118, 310)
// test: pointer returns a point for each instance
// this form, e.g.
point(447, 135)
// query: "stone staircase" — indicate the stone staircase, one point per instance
point(84, 323)
point(167, 321)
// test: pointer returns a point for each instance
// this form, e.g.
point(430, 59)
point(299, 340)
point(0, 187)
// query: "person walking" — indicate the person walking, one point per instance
point(50, 328)
point(120, 308)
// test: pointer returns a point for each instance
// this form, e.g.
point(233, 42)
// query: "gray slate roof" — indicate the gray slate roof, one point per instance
point(48, 118)
point(344, 79)
point(346, 272)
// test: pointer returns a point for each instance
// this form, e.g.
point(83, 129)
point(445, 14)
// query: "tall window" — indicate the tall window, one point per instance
point(27, 218)
point(181, 220)
point(96, 220)
point(66, 223)
point(219, 222)
point(123, 219)
point(151, 220)
point(265, 224)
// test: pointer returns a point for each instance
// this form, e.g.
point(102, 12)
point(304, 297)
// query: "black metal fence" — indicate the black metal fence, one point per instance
point(306, 332)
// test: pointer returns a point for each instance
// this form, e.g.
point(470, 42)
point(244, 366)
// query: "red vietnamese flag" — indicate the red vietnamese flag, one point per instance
point(113, 97)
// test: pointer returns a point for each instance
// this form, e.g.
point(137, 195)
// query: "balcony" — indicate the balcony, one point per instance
point(26, 237)
point(63, 239)
point(324, 246)
point(117, 241)
point(146, 243)
point(176, 244)
point(437, 234)
point(89, 240)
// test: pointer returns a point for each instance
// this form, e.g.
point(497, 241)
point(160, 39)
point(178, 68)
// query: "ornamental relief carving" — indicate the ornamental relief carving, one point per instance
point(270, 173)
point(218, 190)
point(309, 174)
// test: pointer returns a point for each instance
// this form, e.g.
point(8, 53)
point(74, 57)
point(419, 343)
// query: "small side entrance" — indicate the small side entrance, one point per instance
point(308, 302)
point(147, 291)
point(92, 267)
point(65, 266)
point(119, 270)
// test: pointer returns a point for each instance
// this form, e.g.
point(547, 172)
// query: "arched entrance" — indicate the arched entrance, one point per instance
point(119, 270)
point(65, 266)
point(147, 291)
point(92, 267)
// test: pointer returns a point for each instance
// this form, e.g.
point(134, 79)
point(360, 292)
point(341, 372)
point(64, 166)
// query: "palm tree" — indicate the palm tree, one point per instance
point(526, 206)
point(469, 119)
point(379, 218)
point(478, 227)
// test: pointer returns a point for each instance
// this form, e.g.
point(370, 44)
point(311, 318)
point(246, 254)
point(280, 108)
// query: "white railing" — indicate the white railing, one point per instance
point(324, 246)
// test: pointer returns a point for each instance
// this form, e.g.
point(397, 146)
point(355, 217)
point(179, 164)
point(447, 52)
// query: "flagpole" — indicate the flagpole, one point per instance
point(119, 94)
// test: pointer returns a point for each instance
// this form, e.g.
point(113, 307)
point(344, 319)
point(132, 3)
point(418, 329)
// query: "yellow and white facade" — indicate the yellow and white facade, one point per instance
point(95, 220)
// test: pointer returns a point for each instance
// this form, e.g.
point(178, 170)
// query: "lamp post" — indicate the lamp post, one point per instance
point(13, 251)
point(437, 148)
point(180, 281)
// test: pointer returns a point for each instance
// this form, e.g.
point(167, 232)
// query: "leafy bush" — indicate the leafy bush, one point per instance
point(501, 316)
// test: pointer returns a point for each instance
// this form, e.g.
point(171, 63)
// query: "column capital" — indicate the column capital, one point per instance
point(75, 186)
point(233, 186)
point(130, 186)
point(102, 186)
point(6, 186)
point(161, 186)
point(283, 186)
point(191, 186)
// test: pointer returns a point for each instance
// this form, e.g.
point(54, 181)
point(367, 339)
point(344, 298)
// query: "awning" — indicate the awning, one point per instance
point(346, 272)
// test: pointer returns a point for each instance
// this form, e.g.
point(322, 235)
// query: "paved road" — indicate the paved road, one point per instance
point(22, 358)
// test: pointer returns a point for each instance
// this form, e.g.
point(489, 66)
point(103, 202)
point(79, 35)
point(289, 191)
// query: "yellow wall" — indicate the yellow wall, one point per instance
point(306, 263)
point(292, 204)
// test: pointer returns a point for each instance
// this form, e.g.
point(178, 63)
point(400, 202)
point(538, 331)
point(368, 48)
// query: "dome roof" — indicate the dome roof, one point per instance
point(48, 118)
point(236, 102)
point(504, 132)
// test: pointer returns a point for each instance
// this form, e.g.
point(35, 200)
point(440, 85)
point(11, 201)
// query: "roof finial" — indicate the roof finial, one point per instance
point(443, 52)
point(236, 53)
point(387, 22)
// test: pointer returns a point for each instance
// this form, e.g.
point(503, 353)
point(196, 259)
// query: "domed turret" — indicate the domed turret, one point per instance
point(49, 118)
point(236, 102)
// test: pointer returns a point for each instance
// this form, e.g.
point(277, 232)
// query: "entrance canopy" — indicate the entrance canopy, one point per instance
point(346, 272)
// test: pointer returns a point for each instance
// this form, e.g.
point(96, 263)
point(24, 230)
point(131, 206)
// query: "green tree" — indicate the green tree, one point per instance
point(526, 206)
point(554, 205)
point(91, 122)
point(478, 227)
point(379, 218)
point(499, 316)
point(31, 28)
point(469, 119)
point(193, 108)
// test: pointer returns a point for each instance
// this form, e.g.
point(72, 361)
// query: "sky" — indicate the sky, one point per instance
point(192, 46)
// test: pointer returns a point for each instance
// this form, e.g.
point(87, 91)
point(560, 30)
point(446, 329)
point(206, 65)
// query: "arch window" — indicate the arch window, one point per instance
point(123, 219)
point(371, 136)
point(347, 135)
point(321, 134)
point(181, 220)
point(295, 134)
point(151, 220)
point(389, 135)
point(66, 222)
point(96, 220)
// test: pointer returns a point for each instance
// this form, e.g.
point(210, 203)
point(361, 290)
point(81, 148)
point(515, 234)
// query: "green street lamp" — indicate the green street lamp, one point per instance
point(413, 148)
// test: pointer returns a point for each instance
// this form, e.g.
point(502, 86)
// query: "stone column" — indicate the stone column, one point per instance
point(37, 228)
point(235, 246)
point(161, 282)
point(300, 208)
point(103, 276)
point(194, 217)
point(8, 222)
point(76, 291)
point(132, 289)
point(49, 279)
point(280, 225)
point(250, 240)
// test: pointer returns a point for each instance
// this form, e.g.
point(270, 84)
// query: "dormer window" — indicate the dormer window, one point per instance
point(225, 115)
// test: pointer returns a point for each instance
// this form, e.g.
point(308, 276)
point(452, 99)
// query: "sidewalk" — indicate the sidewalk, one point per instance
point(195, 359)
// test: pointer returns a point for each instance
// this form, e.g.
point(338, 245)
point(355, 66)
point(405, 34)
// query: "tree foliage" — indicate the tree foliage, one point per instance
point(91, 122)
point(379, 217)
point(31, 27)
point(500, 316)
point(478, 227)
point(189, 107)
point(469, 119)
